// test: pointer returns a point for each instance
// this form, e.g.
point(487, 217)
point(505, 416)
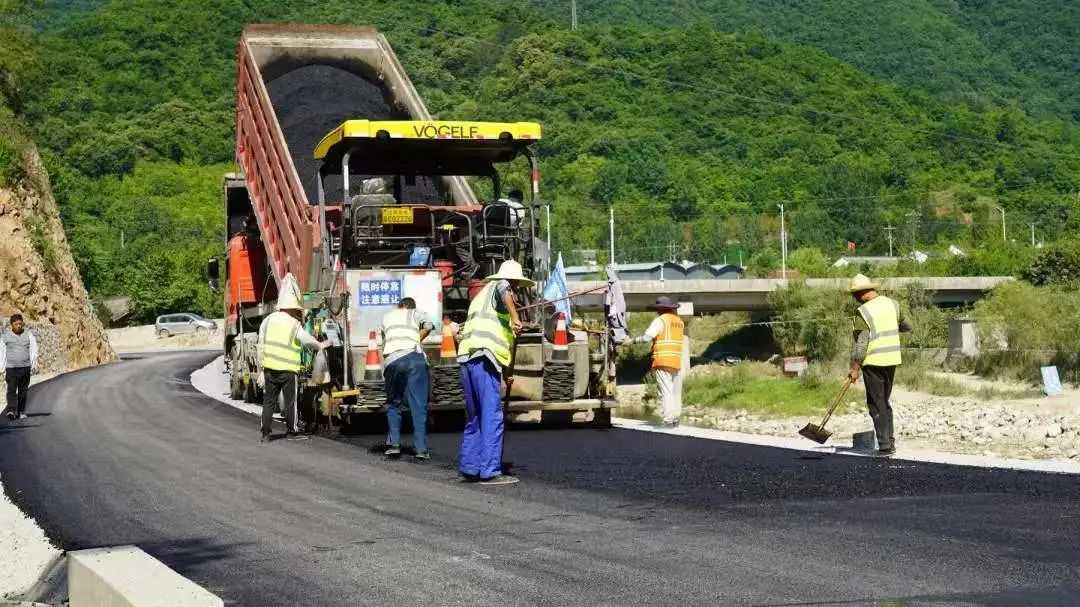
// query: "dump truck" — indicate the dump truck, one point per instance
point(351, 189)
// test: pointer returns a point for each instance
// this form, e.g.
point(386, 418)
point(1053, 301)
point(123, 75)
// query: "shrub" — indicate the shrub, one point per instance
point(815, 323)
point(1022, 327)
point(1056, 265)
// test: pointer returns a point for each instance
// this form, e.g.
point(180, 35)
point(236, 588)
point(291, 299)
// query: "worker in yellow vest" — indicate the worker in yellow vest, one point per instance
point(282, 340)
point(876, 354)
point(406, 373)
point(486, 352)
point(666, 334)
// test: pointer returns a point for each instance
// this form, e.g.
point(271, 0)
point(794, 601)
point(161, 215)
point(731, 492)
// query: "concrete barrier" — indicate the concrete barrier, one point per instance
point(125, 576)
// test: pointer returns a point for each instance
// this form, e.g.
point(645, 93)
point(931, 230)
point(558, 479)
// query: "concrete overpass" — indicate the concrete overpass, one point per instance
point(751, 294)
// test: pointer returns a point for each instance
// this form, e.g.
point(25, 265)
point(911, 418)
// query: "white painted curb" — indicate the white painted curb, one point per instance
point(125, 576)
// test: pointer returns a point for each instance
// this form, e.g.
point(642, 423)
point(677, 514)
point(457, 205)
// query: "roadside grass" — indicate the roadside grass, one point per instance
point(761, 389)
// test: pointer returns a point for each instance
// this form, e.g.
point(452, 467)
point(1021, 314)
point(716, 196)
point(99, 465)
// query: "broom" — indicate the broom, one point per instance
point(818, 433)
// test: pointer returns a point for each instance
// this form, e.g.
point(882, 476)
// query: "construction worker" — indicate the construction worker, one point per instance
point(666, 334)
point(876, 354)
point(18, 358)
point(406, 373)
point(486, 352)
point(282, 340)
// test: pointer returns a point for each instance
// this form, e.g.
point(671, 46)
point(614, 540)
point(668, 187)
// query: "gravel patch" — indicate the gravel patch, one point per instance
point(27, 553)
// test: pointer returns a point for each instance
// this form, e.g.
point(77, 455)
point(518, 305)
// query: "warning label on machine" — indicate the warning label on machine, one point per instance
point(378, 292)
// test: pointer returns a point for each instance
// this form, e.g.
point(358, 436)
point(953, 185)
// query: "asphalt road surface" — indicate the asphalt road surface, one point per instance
point(131, 454)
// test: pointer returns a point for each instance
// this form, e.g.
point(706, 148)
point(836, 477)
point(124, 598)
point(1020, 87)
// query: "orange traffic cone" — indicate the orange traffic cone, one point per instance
point(560, 344)
point(448, 349)
point(373, 362)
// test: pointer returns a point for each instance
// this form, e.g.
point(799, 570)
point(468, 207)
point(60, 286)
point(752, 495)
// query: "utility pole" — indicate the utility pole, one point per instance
point(783, 239)
point(889, 230)
point(611, 233)
point(914, 215)
point(547, 218)
point(1032, 235)
point(573, 15)
point(1002, 209)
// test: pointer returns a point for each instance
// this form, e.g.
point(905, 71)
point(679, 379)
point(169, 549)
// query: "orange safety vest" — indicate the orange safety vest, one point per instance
point(667, 347)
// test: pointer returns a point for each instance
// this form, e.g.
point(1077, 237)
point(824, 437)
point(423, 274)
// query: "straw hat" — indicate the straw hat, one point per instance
point(664, 303)
point(289, 295)
point(862, 283)
point(511, 270)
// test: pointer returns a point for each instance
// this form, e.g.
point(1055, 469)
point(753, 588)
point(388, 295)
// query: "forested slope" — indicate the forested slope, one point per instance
point(693, 135)
point(981, 52)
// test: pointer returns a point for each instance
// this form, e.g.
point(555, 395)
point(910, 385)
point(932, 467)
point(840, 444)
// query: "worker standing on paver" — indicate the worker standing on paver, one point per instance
point(18, 358)
point(666, 334)
point(282, 340)
point(876, 354)
point(486, 352)
point(406, 373)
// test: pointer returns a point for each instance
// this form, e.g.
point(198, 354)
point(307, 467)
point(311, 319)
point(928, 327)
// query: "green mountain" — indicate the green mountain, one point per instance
point(982, 52)
point(693, 134)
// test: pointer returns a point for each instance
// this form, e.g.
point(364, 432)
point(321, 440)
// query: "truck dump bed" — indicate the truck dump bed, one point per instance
point(295, 83)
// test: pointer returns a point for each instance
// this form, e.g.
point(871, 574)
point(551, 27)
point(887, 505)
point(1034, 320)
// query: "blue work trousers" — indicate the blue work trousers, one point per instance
point(407, 383)
point(482, 443)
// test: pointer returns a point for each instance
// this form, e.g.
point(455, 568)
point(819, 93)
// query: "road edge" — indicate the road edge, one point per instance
point(202, 380)
point(1054, 466)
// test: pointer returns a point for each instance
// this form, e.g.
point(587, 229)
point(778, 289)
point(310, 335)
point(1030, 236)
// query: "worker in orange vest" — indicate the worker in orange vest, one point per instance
point(666, 334)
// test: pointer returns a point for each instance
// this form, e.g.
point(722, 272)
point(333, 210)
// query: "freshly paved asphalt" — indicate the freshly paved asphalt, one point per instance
point(132, 454)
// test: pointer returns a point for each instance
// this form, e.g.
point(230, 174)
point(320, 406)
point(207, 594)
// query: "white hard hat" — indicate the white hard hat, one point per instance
point(289, 294)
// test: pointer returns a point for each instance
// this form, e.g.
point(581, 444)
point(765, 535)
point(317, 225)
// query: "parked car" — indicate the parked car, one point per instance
point(174, 324)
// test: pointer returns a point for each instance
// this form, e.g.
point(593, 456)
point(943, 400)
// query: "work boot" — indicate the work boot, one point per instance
point(296, 437)
point(265, 437)
point(392, 451)
point(423, 455)
point(886, 452)
point(24, 416)
point(11, 415)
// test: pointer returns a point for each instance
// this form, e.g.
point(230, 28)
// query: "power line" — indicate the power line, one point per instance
point(762, 100)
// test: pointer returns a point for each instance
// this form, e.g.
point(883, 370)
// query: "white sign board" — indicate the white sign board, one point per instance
point(373, 293)
point(686, 308)
point(1051, 381)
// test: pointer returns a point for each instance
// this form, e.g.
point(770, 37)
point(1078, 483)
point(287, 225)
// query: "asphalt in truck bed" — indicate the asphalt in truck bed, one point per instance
point(131, 454)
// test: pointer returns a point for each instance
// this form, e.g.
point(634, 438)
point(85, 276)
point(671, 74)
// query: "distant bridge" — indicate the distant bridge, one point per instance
point(751, 294)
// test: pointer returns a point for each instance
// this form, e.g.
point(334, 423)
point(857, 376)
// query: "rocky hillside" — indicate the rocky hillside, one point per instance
point(39, 278)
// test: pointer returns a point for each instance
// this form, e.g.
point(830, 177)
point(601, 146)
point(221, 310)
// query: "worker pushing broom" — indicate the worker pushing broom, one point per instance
point(875, 356)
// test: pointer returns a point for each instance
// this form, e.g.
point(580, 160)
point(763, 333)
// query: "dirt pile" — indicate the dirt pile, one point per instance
point(38, 277)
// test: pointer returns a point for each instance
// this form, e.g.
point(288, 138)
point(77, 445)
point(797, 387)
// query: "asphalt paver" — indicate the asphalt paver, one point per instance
point(130, 453)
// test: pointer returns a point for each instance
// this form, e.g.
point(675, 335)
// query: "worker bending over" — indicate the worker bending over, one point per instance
point(406, 373)
point(666, 334)
point(486, 352)
point(282, 340)
point(876, 354)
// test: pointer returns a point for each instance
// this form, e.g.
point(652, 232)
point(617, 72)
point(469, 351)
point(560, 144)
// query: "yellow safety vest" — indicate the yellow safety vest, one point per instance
point(281, 351)
point(667, 347)
point(487, 329)
point(882, 317)
point(400, 331)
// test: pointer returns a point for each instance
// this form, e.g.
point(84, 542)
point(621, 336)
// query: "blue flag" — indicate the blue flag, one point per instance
point(556, 288)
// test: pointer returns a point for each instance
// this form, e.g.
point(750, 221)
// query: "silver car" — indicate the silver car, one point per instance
point(175, 324)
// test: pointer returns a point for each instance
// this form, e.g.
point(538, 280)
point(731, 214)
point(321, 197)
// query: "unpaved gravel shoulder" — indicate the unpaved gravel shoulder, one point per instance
point(27, 552)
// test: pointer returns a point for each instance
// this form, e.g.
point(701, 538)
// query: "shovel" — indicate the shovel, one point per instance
point(818, 433)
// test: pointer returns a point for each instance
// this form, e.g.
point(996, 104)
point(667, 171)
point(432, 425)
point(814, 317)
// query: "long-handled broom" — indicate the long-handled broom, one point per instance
point(817, 432)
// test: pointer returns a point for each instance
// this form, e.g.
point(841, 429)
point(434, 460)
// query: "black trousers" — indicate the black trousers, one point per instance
point(879, 382)
point(18, 384)
point(277, 383)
